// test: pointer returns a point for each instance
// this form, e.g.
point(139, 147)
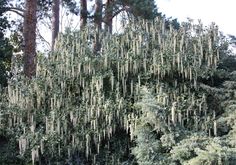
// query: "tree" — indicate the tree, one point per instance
point(83, 13)
point(29, 33)
point(109, 16)
point(29, 25)
point(98, 15)
point(139, 8)
point(55, 21)
point(55, 15)
point(97, 25)
point(6, 5)
point(51, 9)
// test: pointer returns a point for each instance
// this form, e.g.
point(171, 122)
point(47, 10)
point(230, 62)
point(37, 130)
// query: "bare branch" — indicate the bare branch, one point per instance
point(125, 8)
point(16, 10)
point(42, 38)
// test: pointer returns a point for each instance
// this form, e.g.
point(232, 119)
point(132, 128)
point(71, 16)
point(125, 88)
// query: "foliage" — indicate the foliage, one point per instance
point(88, 109)
point(5, 47)
point(5, 60)
point(154, 138)
point(144, 9)
point(45, 7)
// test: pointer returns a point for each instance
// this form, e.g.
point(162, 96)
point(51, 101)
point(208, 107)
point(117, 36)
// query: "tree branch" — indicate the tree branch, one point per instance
point(16, 10)
point(125, 8)
point(42, 38)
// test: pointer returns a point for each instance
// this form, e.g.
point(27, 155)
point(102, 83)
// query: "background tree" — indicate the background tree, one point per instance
point(97, 25)
point(109, 15)
point(55, 21)
point(83, 13)
point(29, 33)
point(139, 8)
point(5, 46)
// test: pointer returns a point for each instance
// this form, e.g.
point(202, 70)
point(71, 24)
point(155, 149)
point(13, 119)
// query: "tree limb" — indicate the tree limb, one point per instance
point(16, 10)
point(42, 38)
point(125, 8)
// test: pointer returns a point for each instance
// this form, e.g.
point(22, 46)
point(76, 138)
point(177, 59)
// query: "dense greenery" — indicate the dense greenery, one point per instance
point(5, 46)
point(155, 94)
point(5, 59)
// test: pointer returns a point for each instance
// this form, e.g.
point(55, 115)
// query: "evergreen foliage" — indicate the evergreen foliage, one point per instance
point(5, 59)
point(5, 46)
point(145, 9)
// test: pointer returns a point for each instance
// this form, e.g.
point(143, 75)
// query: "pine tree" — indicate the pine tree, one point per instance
point(55, 20)
point(29, 33)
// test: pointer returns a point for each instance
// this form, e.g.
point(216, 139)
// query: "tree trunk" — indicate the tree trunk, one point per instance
point(109, 16)
point(55, 21)
point(29, 34)
point(98, 15)
point(98, 25)
point(83, 13)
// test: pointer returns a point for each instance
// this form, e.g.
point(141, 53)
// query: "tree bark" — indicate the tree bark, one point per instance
point(55, 21)
point(98, 15)
point(83, 13)
point(109, 16)
point(29, 34)
point(98, 25)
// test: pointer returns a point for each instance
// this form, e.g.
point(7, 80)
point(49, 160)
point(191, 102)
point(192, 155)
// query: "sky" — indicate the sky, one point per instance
point(222, 12)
